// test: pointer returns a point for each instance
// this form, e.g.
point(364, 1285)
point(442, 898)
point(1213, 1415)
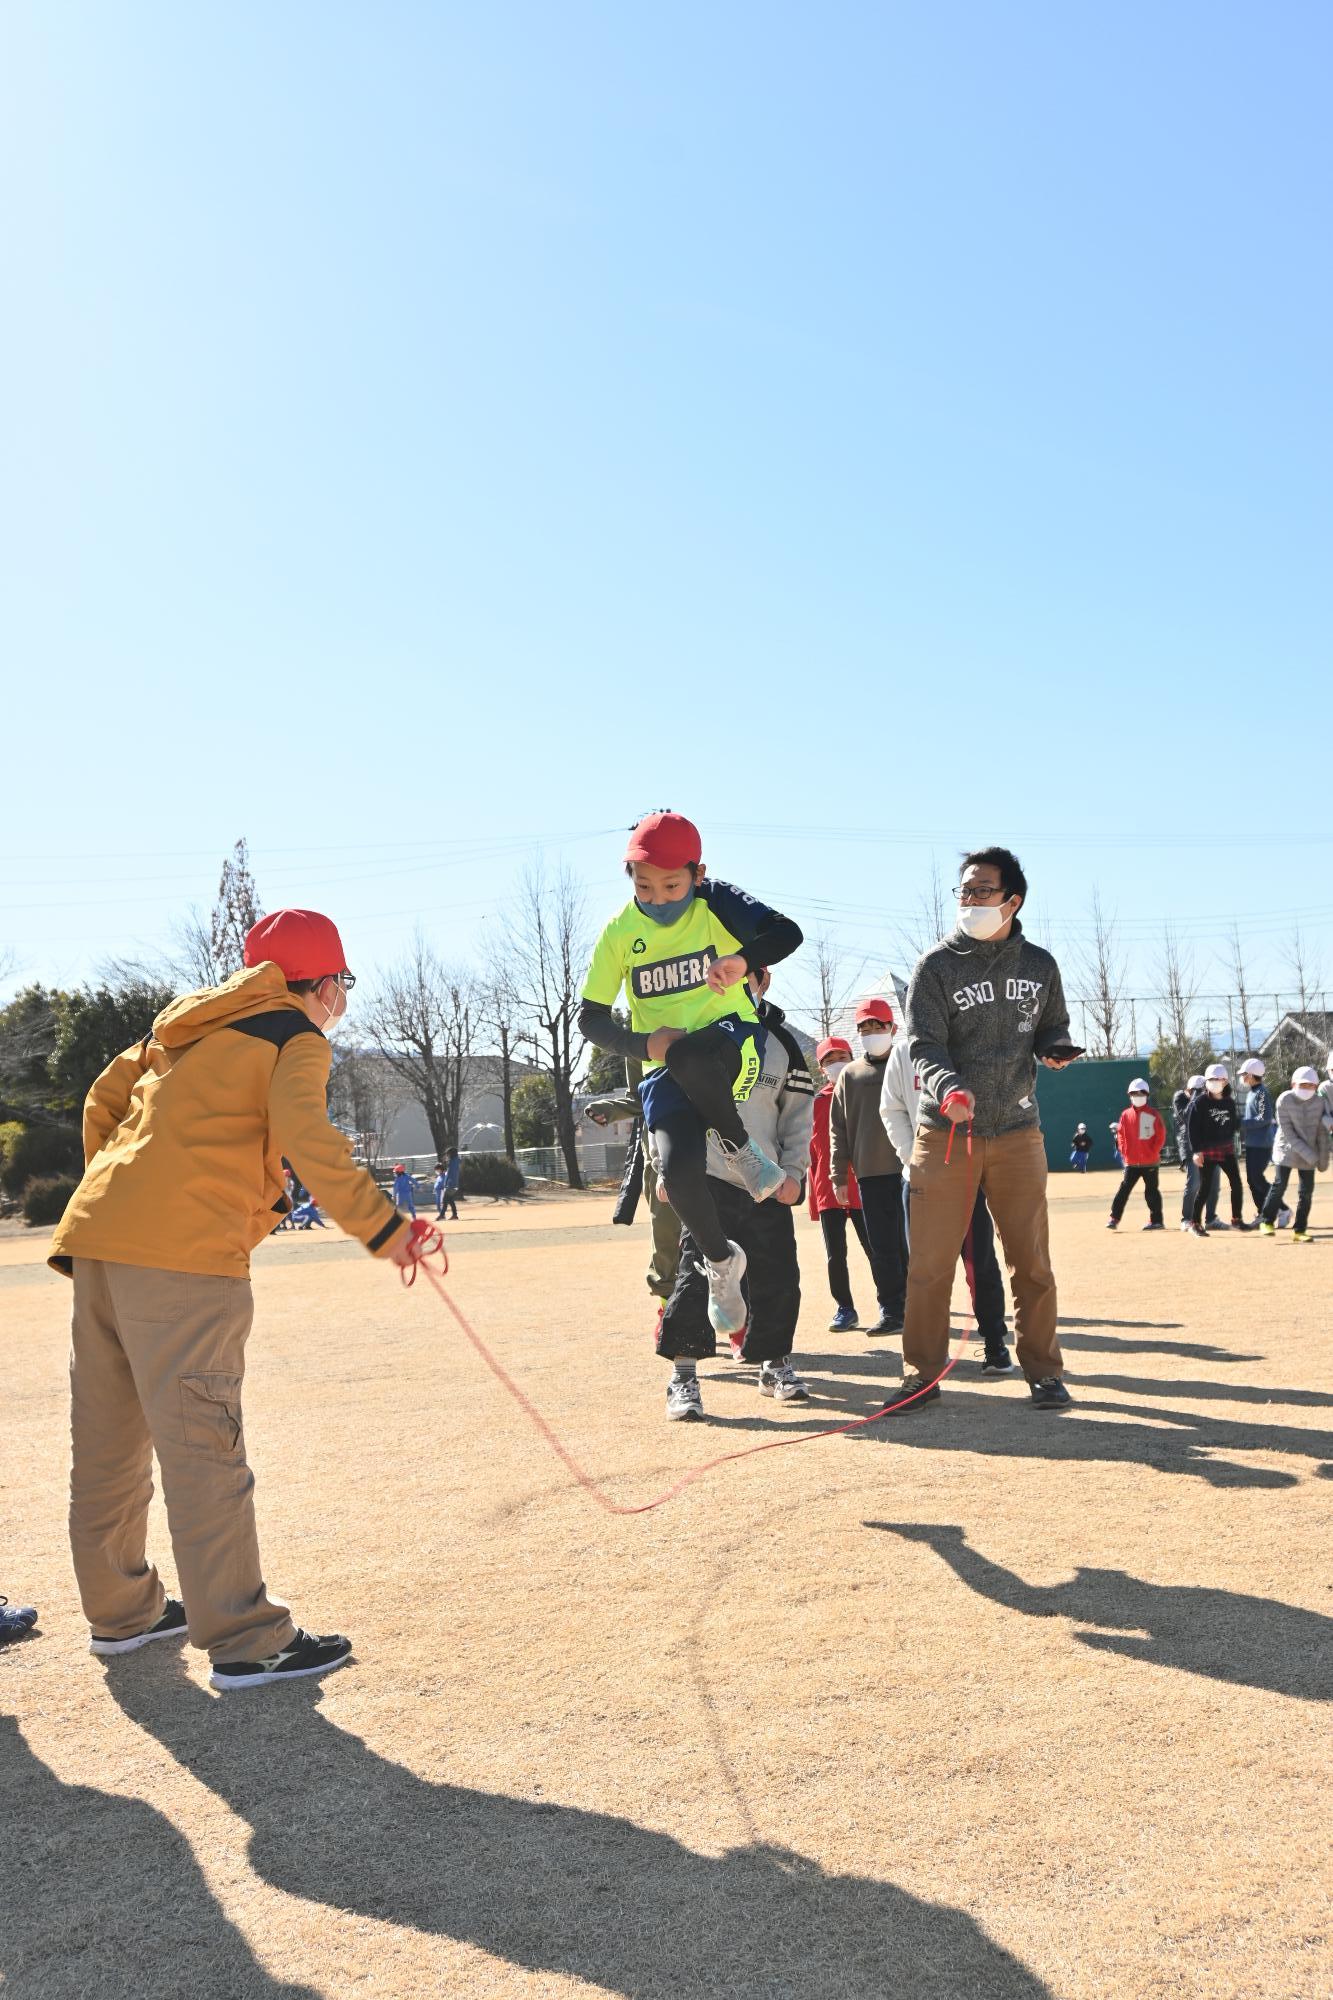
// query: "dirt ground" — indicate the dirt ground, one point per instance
point(977, 1701)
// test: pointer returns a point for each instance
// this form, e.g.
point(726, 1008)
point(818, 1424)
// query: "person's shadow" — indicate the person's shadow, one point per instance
point(550, 1887)
point(92, 1885)
point(1254, 1641)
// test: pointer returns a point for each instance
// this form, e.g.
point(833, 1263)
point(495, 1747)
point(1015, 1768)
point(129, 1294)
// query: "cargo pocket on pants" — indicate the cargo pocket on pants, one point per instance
point(211, 1414)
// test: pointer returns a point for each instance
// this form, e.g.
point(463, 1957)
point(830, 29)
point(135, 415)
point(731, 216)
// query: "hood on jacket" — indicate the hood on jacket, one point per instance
point(256, 989)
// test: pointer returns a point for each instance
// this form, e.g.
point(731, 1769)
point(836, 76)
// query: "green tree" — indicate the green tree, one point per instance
point(92, 1026)
point(27, 1038)
point(605, 1076)
point(534, 1111)
point(1172, 1063)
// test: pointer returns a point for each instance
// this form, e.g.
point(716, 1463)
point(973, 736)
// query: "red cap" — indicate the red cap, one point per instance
point(874, 1010)
point(666, 840)
point(833, 1045)
point(399, 1168)
point(301, 943)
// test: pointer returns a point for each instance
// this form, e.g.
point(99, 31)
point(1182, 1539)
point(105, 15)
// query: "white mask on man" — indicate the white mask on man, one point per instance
point(877, 1045)
point(1304, 1089)
point(980, 920)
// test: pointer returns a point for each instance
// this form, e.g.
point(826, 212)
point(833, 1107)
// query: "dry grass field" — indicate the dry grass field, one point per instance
point(976, 1701)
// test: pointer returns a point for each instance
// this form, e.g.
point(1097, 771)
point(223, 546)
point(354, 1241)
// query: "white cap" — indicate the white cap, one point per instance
point(1195, 1083)
point(1216, 1073)
point(1252, 1066)
point(1307, 1074)
point(1138, 1083)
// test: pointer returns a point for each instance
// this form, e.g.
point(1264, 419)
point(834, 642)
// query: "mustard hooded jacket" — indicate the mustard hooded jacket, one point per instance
point(185, 1133)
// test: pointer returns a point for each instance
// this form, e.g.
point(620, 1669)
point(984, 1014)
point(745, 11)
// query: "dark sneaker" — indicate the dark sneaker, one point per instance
point(1239, 1222)
point(171, 1625)
point(997, 1361)
point(844, 1320)
point(307, 1654)
point(1113, 1222)
point(15, 1624)
point(912, 1393)
point(1153, 1225)
point(1197, 1229)
point(1050, 1393)
point(888, 1322)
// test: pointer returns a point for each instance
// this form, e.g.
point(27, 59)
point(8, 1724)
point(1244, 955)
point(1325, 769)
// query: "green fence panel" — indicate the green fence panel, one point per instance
point(1093, 1094)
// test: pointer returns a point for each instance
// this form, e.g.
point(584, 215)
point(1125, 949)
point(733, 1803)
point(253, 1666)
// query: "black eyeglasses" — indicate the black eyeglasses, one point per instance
point(977, 892)
point(347, 980)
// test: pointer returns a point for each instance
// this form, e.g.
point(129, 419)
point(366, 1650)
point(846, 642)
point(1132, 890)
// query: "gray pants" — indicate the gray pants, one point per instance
point(1191, 1189)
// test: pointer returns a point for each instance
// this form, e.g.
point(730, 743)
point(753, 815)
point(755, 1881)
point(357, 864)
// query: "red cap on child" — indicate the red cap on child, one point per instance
point(301, 943)
point(874, 1010)
point(665, 840)
point(834, 1045)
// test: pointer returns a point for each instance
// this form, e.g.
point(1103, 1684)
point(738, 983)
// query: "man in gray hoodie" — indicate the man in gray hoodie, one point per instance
point(984, 1007)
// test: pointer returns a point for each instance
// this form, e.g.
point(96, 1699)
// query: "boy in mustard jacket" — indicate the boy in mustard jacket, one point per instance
point(184, 1137)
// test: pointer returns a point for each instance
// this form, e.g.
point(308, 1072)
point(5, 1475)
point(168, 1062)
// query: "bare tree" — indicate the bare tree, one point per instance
point(932, 920)
point(546, 946)
point(363, 1097)
point(834, 985)
point(502, 1019)
point(236, 909)
point(1242, 986)
point(1179, 990)
point(423, 1019)
point(1100, 977)
point(189, 957)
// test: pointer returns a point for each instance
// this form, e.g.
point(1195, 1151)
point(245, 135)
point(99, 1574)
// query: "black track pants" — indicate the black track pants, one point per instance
point(833, 1226)
point(882, 1207)
point(1152, 1192)
point(1207, 1194)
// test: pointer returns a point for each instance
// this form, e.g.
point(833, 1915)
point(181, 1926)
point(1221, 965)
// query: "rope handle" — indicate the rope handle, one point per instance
point(425, 1243)
point(955, 1097)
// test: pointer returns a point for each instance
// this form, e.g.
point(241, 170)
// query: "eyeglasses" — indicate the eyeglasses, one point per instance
point(977, 892)
point(347, 980)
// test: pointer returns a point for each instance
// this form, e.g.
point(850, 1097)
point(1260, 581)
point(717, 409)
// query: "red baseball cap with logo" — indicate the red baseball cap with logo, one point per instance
point(665, 840)
point(874, 1010)
point(834, 1045)
point(301, 943)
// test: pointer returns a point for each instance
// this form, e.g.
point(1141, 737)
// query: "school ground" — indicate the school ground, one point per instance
point(977, 1701)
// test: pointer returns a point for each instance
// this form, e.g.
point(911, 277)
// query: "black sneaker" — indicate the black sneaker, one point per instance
point(1153, 1225)
point(306, 1655)
point(888, 1322)
point(1050, 1393)
point(171, 1625)
point(997, 1361)
point(15, 1623)
point(1197, 1229)
point(1113, 1222)
point(912, 1394)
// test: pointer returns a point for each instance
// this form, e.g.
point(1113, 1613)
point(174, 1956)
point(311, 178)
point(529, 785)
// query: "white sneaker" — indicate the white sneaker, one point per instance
point(685, 1403)
point(779, 1380)
point(1284, 1218)
point(760, 1175)
point(727, 1310)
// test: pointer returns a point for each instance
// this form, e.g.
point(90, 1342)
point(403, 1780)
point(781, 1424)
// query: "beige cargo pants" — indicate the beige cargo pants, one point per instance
point(157, 1365)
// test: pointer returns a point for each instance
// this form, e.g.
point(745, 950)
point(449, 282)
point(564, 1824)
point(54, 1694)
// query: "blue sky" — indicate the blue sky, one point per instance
point(434, 435)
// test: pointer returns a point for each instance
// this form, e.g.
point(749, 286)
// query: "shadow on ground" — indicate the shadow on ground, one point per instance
point(545, 1886)
point(1255, 1642)
point(101, 1895)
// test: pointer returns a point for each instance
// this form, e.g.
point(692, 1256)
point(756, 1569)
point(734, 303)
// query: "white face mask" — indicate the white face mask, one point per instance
point(1216, 1089)
point(833, 1070)
point(981, 920)
point(1305, 1090)
point(1136, 1098)
point(336, 1012)
point(877, 1045)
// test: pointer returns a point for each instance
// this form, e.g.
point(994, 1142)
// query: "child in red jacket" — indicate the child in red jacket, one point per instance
point(833, 1056)
point(1140, 1135)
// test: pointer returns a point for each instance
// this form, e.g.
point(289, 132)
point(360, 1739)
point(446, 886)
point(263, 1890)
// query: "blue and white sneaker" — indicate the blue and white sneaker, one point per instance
point(727, 1310)
point(761, 1176)
point(844, 1320)
point(15, 1624)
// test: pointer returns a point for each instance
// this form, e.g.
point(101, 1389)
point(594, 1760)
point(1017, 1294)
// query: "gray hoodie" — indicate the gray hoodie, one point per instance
point(978, 1016)
point(780, 1110)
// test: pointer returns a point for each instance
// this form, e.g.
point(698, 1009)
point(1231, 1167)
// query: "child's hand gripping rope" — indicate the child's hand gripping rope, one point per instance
point(425, 1244)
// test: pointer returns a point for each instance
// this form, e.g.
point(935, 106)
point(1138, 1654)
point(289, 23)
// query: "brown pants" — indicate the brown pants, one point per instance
point(157, 1364)
point(1012, 1170)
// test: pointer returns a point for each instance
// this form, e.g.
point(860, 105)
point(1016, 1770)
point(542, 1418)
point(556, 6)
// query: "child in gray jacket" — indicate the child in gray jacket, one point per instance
point(1301, 1147)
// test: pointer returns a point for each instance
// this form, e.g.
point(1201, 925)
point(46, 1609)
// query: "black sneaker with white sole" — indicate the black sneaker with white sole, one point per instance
point(1050, 1393)
point(171, 1625)
point(997, 1361)
point(308, 1654)
point(912, 1393)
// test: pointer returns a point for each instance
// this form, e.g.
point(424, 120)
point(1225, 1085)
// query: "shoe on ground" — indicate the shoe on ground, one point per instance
point(685, 1403)
point(171, 1625)
point(1239, 1222)
point(308, 1654)
point(761, 1176)
point(844, 1320)
point(1284, 1218)
point(888, 1322)
point(1196, 1229)
point(779, 1380)
point(997, 1361)
point(727, 1310)
point(1268, 1229)
point(1153, 1225)
point(1113, 1222)
point(912, 1393)
point(1185, 1228)
point(1301, 1236)
point(15, 1622)
point(1050, 1393)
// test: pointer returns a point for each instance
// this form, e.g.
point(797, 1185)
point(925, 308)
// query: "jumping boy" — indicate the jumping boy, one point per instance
point(183, 1137)
point(1140, 1136)
point(777, 1114)
point(682, 948)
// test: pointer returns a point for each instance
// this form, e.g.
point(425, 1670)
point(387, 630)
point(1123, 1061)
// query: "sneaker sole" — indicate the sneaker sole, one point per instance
point(104, 1647)
point(229, 1686)
point(685, 1416)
